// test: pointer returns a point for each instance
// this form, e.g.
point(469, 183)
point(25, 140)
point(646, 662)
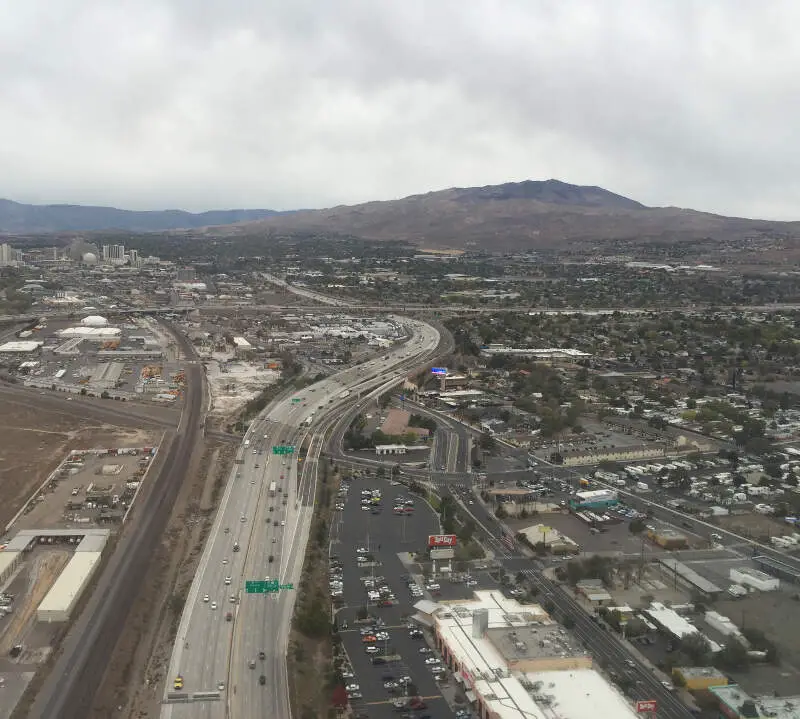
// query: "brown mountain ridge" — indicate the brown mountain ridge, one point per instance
point(520, 215)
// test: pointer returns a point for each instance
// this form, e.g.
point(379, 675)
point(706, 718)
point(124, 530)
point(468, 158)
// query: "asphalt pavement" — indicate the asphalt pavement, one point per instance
point(214, 656)
point(386, 536)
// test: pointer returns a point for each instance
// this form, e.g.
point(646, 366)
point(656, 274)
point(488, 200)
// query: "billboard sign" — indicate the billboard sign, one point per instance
point(645, 706)
point(442, 540)
point(443, 553)
point(439, 370)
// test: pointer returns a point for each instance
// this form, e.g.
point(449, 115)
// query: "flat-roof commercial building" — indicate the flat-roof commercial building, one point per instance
point(20, 347)
point(700, 678)
point(9, 561)
point(735, 703)
point(748, 577)
point(679, 572)
point(516, 663)
point(59, 602)
point(669, 621)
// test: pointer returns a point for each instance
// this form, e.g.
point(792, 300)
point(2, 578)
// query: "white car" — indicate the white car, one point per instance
point(352, 687)
point(283, 523)
point(361, 550)
point(206, 597)
point(432, 660)
point(227, 581)
point(213, 605)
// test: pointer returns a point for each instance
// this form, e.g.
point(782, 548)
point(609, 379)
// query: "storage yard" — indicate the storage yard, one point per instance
point(125, 360)
point(89, 488)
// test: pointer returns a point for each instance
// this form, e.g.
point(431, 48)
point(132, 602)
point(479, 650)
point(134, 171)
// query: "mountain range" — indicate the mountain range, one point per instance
point(508, 217)
point(16, 217)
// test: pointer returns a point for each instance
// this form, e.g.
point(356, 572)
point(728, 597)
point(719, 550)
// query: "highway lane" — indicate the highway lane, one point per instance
point(69, 689)
point(219, 651)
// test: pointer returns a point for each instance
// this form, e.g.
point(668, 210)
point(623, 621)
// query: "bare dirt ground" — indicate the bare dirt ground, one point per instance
point(775, 614)
point(35, 440)
point(754, 526)
point(45, 566)
point(134, 680)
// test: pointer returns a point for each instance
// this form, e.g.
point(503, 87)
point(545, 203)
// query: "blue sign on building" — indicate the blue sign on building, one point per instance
point(439, 370)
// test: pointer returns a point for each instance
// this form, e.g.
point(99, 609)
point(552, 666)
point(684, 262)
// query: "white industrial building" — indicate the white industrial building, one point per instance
point(669, 621)
point(9, 561)
point(99, 333)
point(59, 602)
point(516, 663)
point(94, 321)
point(20, 346)
point(747, 577)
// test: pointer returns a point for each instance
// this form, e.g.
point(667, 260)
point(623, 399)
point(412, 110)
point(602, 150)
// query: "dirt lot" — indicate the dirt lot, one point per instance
point(35, 440)
point(140, 660)
point(775, 614)
point(754, 526)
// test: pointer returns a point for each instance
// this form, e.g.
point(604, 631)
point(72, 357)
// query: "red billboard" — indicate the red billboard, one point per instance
point(644, 706)
point(442, 540)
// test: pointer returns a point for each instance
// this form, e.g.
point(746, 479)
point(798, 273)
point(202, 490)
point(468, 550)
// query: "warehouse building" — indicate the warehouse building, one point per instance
point(594, 499)
point(747, 577)
point(514, 662)
point(9, 561)
point(59, 602)
point(686, 576)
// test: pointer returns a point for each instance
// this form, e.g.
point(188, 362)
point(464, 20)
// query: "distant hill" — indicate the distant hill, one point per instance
point(519, 215)
point(510, 217)
point(17, 217)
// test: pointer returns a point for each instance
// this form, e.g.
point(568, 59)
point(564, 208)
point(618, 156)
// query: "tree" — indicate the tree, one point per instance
point(697, 648)
point(733, 655)
point(637, 526)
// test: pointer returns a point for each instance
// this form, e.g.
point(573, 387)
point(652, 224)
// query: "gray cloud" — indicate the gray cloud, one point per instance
point(267, 103)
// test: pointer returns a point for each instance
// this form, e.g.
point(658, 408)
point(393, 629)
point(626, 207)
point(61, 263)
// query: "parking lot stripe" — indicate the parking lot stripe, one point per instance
point(392, 701)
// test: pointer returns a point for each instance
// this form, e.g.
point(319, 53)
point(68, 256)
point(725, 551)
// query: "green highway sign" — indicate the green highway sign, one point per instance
point(283, 449)
point(261, 586)
point(295, 400)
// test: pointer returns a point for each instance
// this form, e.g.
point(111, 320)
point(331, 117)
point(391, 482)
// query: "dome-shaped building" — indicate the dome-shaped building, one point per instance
point(94, 321)
point(89, 258)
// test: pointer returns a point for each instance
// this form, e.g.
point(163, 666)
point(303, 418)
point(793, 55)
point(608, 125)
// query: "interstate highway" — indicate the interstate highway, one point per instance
point(210, 651)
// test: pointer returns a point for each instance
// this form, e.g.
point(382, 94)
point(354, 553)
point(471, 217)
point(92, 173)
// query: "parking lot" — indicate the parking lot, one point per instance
point(366, 557)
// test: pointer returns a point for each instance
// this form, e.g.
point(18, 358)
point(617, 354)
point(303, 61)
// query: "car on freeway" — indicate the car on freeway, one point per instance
point(262, 680)
point(206, 598)
point(221, 686)
point(178, 682)
point(262, 655)
point(242, 518)
point(227, 581)
point(213, 605)
point(283, 523)
point(227, 530)
point(228, 617)
point(224, 560)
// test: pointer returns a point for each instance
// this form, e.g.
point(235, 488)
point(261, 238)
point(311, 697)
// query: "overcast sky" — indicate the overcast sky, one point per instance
point(200, 104)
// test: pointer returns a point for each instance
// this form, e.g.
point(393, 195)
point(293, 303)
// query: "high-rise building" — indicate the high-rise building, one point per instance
point(133, 258)
point(8, 255)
